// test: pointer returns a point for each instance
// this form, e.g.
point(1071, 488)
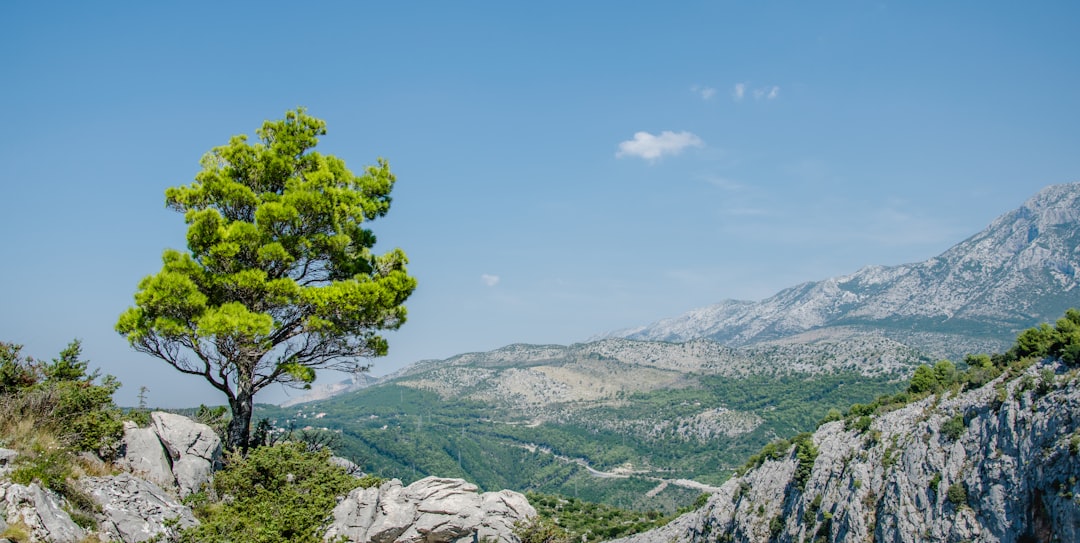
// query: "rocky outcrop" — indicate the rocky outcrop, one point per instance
point(431, 510)
point(997, 464)
point(175, 452)
point(40, 511)
point(143, 454)
point(130, 509)
point(193, 449)
point(135, 510)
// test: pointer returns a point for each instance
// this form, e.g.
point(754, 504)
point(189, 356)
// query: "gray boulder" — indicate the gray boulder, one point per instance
point(431, 510)
point(193, 448)
point(143, 454)
point(40, 511)
point(134, 510)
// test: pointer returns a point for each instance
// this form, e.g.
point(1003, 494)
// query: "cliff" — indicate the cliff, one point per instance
point(996, 464)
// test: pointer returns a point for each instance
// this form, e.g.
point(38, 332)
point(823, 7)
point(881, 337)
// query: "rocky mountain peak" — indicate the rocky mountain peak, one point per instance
point(1017, 272)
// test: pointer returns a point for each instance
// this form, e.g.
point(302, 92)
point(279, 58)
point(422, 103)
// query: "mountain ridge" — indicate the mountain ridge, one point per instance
point(988, 287)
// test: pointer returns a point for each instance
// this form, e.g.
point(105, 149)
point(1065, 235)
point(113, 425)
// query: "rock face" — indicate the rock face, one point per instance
point(1019, 271)
point(431, 510)
point(175, 452)
point(193, 449)
point(143, 454)
point(134, 510)
point(996, 464)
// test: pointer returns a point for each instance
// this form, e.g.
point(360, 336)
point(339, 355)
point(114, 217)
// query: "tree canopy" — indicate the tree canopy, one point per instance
point(279, 278)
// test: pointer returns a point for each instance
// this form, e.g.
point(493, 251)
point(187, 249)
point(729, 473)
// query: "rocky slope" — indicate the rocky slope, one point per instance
point(1020, 270)
point(176, 456)
point(995, 464)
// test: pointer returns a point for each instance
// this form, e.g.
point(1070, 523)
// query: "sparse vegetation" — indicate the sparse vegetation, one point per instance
point(953, 428)
point(51, 411)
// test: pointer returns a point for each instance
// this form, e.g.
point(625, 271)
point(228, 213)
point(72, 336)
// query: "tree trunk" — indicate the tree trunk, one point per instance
point(240, 426)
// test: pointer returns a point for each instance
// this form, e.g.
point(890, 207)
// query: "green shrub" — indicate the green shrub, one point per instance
point(776, 525)
point(954, 428)
point(280, 493)
point(957, 493)
point(861, 424)
point(806, 454)
point(579, 520)
point(541, 530)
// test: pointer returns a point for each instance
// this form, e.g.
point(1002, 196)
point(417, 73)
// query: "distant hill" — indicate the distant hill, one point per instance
point(642, 425)
point(1019, 271)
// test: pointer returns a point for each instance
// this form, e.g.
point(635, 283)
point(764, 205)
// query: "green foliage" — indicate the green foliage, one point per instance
point(776, 525)
point(953, 428)
point(280, 493)
point(279, 279)
point(833, 414)
point(16, 372)
point(1060, 341)
point(76, 405)
point(571, 519)
point(957, 494)
point(806, 454)
point(540, 529)
point(935, 482)
point(810, 514)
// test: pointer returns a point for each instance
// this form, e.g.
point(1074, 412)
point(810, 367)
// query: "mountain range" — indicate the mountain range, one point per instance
point(677, 404)
point(1019, 271)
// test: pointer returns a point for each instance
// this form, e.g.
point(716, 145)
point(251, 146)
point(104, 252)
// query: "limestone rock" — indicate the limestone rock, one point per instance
point(134, 510)
point(193, 448)
point(143, 454)
point(40, 510)
point(431, 510)
point(1010, 473)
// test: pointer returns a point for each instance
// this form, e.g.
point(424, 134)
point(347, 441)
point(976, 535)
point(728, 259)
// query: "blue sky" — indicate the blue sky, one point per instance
point(564, 168)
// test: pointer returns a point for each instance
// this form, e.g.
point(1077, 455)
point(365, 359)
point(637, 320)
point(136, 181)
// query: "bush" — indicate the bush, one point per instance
point(61, 397)
point(957, 494)
point(954, 427)
point(578, 520)
point(541, 530)
point(280, 493)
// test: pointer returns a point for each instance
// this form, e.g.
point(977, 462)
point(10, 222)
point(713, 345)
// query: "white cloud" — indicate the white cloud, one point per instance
point(706, 93)
point(739, 91)
point(760, 93)
point(650, 147)
point(768, 93)
point(489, 280)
